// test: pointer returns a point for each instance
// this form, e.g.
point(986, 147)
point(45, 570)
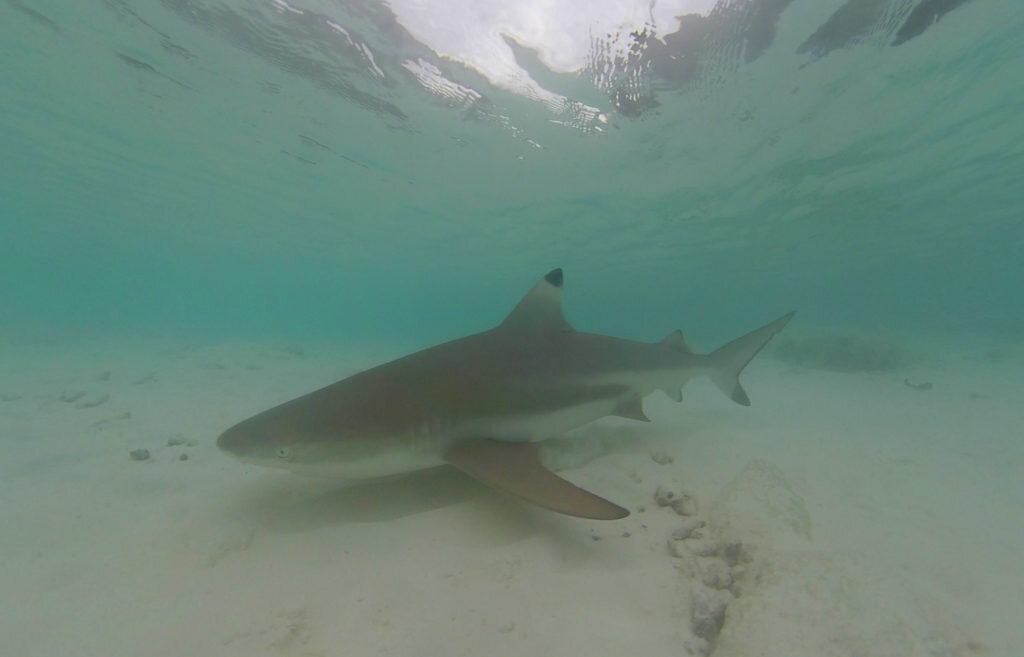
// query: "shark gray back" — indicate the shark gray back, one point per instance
point(483, 402)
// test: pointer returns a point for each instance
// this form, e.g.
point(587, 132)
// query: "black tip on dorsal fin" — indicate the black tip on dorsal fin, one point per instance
point(541, 308)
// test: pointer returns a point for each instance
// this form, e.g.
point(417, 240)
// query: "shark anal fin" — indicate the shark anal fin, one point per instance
point(516, 468)
point(632, 409)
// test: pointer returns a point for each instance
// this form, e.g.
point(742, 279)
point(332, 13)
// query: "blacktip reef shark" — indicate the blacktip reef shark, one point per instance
point(482, 403)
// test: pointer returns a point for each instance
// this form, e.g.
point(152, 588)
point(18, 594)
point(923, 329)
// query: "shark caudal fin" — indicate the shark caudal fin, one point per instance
point(726, 362)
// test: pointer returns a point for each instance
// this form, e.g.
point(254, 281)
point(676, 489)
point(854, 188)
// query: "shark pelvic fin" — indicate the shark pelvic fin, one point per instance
point(516, 468)
point(541, 308)
point(675, 393)
point(632, 409)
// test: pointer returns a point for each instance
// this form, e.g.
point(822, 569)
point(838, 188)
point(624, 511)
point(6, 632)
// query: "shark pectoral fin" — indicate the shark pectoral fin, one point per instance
point(516, 468)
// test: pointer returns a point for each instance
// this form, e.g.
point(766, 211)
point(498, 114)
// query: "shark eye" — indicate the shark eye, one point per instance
point(283, 453)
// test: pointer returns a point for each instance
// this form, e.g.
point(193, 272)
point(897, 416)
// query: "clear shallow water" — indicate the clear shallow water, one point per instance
point(239, 167)
point(328, 173)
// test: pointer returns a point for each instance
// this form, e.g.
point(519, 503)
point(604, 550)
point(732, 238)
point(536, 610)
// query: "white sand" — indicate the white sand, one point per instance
point(845, 514)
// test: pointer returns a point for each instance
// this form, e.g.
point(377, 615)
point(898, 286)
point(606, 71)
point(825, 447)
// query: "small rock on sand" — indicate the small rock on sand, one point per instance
point(707, 614)
point(664, 496)
point(661, 458)
point(175, 440)
point(72, 396)
point(684, 502)
point(678, 549)
point(688, 529)
point(927, 385)
point(139, 454)
point(715, 574)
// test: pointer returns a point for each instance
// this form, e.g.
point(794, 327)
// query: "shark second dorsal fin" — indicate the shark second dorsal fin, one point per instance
point(541, 308)
point(676, 340)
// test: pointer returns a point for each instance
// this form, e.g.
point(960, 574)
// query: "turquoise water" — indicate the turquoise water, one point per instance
point(335, 182)
point(200, 167)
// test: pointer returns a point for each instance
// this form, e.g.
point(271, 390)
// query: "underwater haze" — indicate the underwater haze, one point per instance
point(209, 207)
point(270, 169)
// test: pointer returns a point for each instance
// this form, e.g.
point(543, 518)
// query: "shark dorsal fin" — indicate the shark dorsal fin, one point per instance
point(541, 308)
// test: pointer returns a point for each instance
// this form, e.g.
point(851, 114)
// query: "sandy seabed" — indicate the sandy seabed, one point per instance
point(842, 514)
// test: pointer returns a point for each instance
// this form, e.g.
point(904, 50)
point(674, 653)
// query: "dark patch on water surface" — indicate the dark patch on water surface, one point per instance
point(703, 49)
point(125, 10)
point(140, 65)
point(758, 27)
point(299, 157)
point(175, 49)
point(846, 26)
point(307, 44)
point(359, 50)
point(352, 160)
point(923, 16)
point(313, 143)
point(309, 141)
point(856, 21)
point(35, 15)
point(706, 48)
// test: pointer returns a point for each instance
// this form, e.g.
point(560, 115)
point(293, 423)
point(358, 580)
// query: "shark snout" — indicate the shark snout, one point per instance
point(232, 441)
point(255, 441)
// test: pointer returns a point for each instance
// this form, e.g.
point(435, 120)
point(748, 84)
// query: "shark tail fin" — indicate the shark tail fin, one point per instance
point(726, 362)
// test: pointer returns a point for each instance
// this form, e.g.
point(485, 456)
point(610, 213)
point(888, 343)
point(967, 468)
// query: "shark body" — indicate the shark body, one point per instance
point(483, 402)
